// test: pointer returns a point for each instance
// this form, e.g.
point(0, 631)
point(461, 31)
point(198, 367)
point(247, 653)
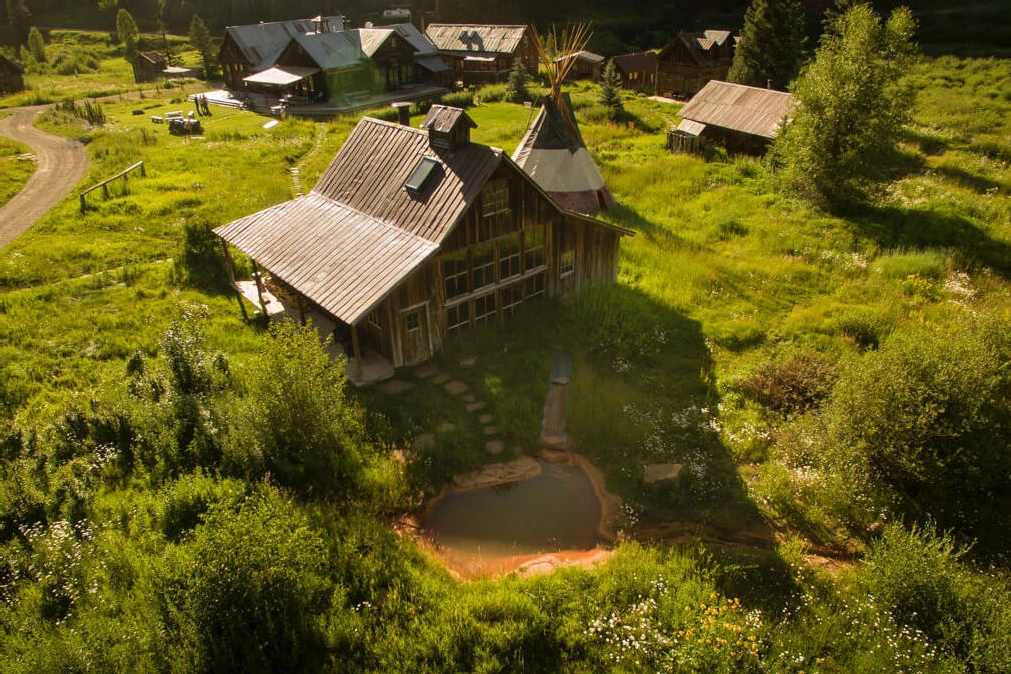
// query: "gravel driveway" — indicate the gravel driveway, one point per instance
point(62, 164)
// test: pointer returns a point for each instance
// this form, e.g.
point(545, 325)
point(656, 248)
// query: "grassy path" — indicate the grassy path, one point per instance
point(62, 163)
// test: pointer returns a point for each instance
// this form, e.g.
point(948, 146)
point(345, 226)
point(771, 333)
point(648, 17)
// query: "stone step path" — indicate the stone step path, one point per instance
point(433, 375)
point(553, 428)
point(296, 170)
point(296, 180)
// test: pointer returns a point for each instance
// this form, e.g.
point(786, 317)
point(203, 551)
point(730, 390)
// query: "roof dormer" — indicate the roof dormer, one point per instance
point(448, 128)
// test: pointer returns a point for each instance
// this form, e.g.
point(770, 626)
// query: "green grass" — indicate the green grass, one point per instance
point(14, 172)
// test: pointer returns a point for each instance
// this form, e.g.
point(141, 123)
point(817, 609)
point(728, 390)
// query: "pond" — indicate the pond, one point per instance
point(558, 509)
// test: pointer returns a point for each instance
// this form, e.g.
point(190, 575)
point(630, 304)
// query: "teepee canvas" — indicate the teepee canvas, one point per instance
point(552, 151)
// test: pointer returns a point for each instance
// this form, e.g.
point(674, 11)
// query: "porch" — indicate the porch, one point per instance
point(337, 104)
point(362, 369)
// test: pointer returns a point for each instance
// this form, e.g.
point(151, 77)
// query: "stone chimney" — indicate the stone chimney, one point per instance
point(403, 113)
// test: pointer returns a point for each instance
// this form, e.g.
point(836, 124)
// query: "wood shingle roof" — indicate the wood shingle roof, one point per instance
point(738, 107)
point(481, 38)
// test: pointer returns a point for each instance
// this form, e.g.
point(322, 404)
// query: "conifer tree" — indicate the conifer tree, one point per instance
point(771, 45)
point(610, 91)
point(126, 31)
point(516, 89)
point(37, 45)
point(200, 39)
point(17, 15)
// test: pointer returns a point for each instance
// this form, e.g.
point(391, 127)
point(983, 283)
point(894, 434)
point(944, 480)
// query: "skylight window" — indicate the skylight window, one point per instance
point(421, 175)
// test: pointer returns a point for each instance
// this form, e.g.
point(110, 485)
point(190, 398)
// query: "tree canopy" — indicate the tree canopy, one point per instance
point(771, 45)
point(851, 103)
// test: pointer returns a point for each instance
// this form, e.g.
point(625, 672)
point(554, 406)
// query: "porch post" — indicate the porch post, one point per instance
point(356, 350)
point(259, 287)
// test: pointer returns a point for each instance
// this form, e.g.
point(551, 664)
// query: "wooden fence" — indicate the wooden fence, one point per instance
point(105, 183)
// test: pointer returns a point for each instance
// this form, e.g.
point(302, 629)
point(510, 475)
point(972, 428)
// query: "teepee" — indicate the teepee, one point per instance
point(552, 151)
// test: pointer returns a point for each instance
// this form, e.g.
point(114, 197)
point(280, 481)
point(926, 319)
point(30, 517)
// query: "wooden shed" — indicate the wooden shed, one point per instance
point(742, 118)
point(148, 66)
point(483, 53)
point(11, 76)
point(586, 65)
point(691, 60)
point(638, 71)
point(412, 236)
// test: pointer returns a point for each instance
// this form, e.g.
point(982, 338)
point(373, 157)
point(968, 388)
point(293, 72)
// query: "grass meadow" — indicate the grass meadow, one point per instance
point(16, 171)
point(724, 281)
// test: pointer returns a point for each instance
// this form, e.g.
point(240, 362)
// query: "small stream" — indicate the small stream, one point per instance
point(556, 510)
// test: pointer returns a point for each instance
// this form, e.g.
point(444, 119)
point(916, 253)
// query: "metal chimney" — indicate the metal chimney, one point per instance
point(403, 113)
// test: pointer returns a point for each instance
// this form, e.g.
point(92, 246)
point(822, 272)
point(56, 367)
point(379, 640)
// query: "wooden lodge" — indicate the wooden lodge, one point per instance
point(483, 53)
point(741, 118)
point(691, 60)
point(315, 60)
point(638, 71)
point(412, 236)
point(12, 78)
point(148, 66)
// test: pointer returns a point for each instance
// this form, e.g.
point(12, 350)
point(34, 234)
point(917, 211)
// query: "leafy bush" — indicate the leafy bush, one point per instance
point(792, 386)
point(202, 261)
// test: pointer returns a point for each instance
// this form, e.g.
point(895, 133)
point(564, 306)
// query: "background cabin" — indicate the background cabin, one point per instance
point(11, 76)
point(148, 66)
point(585, 65)
point(253, 48)
point(638, 71)
point(741, 118)
point(412, 236)
point(483, 53)
point(691, 60)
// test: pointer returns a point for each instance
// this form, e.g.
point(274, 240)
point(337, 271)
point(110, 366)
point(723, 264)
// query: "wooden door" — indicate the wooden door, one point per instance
point(414, 335)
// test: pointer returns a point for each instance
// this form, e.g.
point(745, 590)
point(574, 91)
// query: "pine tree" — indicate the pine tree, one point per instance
point(771, 45)
point(610, 91)
point(851, 105)
point(200, 39)
point(516, 89)
point(17, 15)
point(37, 45)
point(126, 31)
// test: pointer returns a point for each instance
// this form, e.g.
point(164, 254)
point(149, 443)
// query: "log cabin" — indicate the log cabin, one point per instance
point(691, 60)
point(484, 53)
point(412, 236)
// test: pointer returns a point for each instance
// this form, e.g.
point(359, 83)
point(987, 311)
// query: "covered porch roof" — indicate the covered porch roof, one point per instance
point(281, 75)
point(341, 259)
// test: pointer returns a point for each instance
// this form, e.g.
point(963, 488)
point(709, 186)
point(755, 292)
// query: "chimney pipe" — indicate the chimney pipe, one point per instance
point(403, 113)
point(768, 83)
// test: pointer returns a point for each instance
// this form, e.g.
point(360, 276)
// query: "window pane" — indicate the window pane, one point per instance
point(454, 274)
point(567, 263)
point(509, 257)
point(483, 257)
point(533, 246)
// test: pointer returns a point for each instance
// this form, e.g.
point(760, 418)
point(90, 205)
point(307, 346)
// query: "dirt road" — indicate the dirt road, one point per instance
point(62, 163)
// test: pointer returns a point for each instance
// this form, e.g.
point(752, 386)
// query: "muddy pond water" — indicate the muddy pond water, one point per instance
point(555, 510)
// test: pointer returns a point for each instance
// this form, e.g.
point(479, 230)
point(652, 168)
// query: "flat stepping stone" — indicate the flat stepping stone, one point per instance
point(426, 370)
point(395, 386)
point(469, 398)
point(490, 430)
point(663, 473)
point(494, 446)
point(456, 387)
point(474, 407)
point(484, 419)
point(445, 427)
point(441, 378)
point(424, 441)
point(469, 361)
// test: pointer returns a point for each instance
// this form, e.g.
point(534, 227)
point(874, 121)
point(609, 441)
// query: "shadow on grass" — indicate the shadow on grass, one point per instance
point(892, 226)
point(968, 180)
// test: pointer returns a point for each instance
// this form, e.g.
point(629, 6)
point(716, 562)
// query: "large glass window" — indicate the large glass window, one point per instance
point(567, 263)
point(495, 197)
point(458, 318)
point(454, 274)
point(483, 258)
point(533, 286)
point(512, 299)
point(484, 309)
point(533, 248)
point(509, 257)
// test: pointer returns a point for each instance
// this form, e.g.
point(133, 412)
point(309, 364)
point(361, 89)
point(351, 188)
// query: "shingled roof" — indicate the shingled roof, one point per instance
point(262, 43)
point(740, 108)
point(472, 37)
point(635, 63)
